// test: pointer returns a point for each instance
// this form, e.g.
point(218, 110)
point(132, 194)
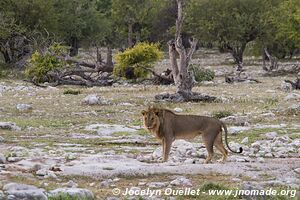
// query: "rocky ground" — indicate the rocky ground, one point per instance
point(55, 143)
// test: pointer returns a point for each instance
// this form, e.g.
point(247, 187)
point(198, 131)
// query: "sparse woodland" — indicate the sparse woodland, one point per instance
point(76, 74)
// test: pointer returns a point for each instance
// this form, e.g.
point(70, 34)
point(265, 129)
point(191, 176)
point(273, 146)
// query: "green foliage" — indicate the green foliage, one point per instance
point(136, 59)
point(221, 114)
point(212, 186)
point(71, 91)
point(67, 197)
point(42, 63)
point(202, 74)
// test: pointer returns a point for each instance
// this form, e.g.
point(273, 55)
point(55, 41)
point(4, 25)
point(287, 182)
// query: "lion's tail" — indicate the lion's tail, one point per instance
point(226, 141)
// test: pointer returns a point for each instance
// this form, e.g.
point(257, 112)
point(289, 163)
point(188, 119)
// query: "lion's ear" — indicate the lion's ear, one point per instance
point(144, 112)
point(156, 111)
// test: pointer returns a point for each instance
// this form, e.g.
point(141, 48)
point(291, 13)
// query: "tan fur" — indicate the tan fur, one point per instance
point(168, 126)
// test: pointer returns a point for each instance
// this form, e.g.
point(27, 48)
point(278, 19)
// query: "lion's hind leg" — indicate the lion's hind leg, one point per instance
point(219, 145)
point(209, 147)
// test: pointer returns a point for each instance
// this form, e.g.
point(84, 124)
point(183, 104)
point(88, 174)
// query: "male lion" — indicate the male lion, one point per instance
point(168, 126)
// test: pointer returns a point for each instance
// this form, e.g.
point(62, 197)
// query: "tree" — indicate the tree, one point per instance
point(133, 18)
point(23, 27)
point(230, 24)
point(78, 21)
point(182, 77)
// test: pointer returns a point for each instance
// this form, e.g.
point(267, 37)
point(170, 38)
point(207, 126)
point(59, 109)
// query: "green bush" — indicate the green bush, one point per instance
point(41, 63)
point(221, 114)
point(132, 62)
point(202, 74)
point(71, 91)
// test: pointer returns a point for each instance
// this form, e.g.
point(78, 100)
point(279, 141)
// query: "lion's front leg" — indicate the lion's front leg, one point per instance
point(167, 143)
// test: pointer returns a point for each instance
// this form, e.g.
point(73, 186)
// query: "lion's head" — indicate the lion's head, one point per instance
point(151, 119)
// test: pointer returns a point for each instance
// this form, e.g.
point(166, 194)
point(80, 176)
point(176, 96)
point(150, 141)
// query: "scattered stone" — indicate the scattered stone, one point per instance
point(92, 99)
point(22, 107)
point(70, 157)
point(16, 191)
point(179, 110)
point(1, 139)
point(237, 129)
point(126, 104)
point(271, 135)
point(261, 160)
point(297, 170)
point(292, 96)
point(207, 83)
point(1, 195)
point(109, 129)
point(235, 158)
point(268, 115)
point(245, 140)
point(181, 181)
point(286, 87)
point(76, 193)
point(157, 184)
point(236, 120)
point(256, 145)
point(71, 184)
point(9, 126)
point(46, 173)
point(106, 183)
point(2, 159)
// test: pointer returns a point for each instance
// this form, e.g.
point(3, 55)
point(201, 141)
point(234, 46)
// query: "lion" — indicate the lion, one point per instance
point(168, 126)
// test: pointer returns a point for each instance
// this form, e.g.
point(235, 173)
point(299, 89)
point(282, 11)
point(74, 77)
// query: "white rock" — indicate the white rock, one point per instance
point(1, 193)
point(106, 183)
point(256, 145)
point(71, 184)
point(77, 193)
point(16, 191)
point(2, 159)
point(269, 155)
point(286, 87)
point(109, 129)
point(261, 160)
point(92, 99)
point(179, 110)
point(271, 135)
point(236, 120)
point(292, 96)
point(245, 140)
point(181, 181)
point(46, 173)
point(236, 129)
point(157, 184)
point(23, 107)
point(297, 170)
point(1, 139)
point(9, 126)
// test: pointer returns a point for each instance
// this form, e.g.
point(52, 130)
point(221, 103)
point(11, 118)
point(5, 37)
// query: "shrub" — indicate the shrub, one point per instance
point(41, 63)
point(71, 91)
point(132, 62)
point(202, 74)
point(222, 114)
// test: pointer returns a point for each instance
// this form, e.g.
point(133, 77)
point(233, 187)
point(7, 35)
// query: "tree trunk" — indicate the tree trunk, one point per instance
point(74, 47)
point(273, 61)
point(130, 34)
point(109, 62)
point(99, 57)
point(182, 78)
point(6, 56)
point(237, 54)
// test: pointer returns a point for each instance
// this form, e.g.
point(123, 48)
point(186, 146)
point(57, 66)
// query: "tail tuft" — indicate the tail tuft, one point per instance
point(241, 150)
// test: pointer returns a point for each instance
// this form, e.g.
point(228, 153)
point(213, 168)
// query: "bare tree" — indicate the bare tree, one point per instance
point(180, 57)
